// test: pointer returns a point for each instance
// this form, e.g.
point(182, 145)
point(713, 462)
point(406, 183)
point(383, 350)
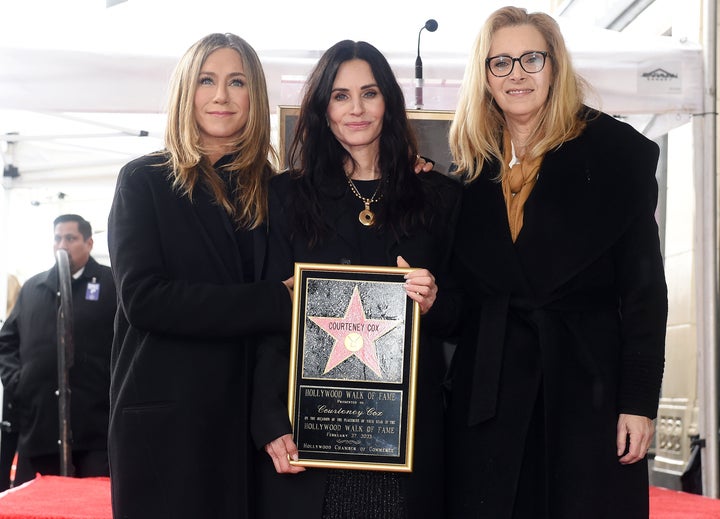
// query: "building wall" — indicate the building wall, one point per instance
point(677, 415)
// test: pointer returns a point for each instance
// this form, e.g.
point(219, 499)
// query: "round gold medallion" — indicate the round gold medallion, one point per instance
point(353, 341)
point(366, 217)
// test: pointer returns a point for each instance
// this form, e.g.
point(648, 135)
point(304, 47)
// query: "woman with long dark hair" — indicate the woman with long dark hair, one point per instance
point(353, 198)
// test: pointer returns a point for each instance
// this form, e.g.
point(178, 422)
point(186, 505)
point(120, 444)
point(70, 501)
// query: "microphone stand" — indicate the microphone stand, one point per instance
point(419, 76)
point(65, 352)
point(431, 25)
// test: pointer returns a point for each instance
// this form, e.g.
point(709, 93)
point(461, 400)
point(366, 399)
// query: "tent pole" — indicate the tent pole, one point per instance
point(4, 232)
point(704, 129)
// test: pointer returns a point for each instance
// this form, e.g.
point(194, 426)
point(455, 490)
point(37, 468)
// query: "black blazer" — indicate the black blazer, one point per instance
point(429, 248)
point(181, 360)
point(571, 315)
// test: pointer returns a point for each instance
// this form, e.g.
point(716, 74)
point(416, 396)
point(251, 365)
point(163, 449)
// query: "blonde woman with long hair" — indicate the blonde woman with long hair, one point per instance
point(186, 240)
point(558, 369)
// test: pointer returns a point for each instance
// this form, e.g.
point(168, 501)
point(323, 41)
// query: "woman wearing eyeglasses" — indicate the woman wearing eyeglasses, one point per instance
point(558, 368)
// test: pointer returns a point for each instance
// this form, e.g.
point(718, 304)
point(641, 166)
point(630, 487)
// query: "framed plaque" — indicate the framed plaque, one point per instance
point(353, 367)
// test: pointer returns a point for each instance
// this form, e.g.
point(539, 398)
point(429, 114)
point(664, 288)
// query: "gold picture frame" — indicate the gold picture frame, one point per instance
point(353, 367)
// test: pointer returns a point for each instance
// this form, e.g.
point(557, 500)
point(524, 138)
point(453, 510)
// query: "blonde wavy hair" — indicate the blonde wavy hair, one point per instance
point(253, 158)
point(476, 133)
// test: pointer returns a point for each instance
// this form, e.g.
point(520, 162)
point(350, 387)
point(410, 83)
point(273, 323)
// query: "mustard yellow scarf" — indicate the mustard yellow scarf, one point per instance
point(518, 179)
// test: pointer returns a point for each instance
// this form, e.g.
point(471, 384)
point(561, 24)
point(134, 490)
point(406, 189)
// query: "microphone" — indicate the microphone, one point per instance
point(431, 25)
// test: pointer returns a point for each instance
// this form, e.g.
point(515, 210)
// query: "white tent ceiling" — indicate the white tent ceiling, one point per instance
point(83, 70)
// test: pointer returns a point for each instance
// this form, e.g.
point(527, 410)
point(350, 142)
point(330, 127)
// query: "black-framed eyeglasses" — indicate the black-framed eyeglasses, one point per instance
point(531, 62)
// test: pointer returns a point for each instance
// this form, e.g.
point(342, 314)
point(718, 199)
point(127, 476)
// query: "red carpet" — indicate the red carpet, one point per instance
point(54, 497)
point(670, 504)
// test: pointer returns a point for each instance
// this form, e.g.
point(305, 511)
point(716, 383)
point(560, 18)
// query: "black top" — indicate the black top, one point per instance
point(326, 493)
point(181, 355)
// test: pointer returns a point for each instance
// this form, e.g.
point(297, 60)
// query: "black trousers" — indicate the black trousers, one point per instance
point(86, 464)
point(8, 445)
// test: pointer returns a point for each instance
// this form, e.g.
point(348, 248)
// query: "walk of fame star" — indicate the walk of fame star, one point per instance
point(354, 334)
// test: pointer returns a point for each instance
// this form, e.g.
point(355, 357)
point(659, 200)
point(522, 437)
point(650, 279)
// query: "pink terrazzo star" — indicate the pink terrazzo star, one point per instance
point(354, 335)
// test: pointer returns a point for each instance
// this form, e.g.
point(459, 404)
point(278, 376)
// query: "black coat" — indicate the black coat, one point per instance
point(28, 361)
point(181, 358)
point(568, 322)
point(301, 496)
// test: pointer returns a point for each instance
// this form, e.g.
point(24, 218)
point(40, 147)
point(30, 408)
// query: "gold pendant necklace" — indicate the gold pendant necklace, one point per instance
point(366, 216)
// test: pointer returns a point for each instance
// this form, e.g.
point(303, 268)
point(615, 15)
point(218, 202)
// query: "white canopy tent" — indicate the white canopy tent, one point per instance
point(82, 113)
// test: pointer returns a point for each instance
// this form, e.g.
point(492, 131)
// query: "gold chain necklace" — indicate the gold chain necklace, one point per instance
point(366, 216)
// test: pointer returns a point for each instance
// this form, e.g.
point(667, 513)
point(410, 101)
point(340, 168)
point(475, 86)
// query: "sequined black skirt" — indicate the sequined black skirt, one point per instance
point(355, 494)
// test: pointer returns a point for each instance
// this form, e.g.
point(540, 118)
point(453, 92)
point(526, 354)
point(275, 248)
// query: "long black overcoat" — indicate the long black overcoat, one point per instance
point(179, 438)
point(29, 361)
point(300, 496)
point(568, 321)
